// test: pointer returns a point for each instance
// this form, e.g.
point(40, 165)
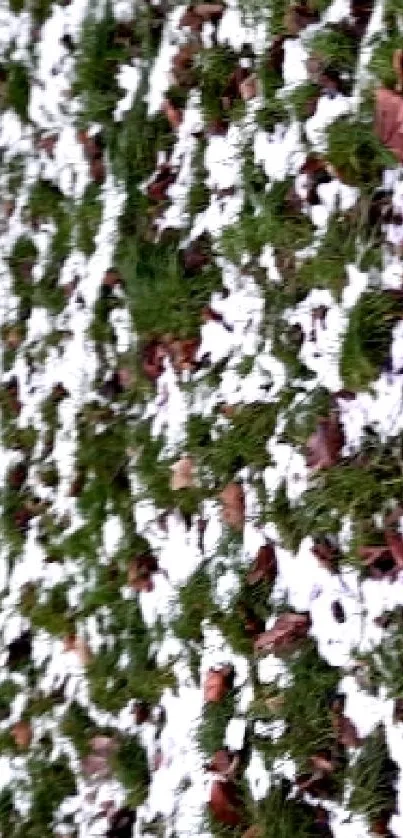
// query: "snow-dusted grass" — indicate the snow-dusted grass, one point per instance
point(292, 307)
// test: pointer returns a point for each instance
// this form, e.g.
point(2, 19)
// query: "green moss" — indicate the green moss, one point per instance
point(131, 768)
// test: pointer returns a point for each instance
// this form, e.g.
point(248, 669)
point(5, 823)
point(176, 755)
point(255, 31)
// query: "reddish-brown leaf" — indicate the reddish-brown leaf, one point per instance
point(324, 445)
point(389, 120)
point(22, 734)
point(233, 505)
point(345, 731)
point(264, 568)
point(218, 683)
point(225, 804)
point(288, 630)
point(182, 474)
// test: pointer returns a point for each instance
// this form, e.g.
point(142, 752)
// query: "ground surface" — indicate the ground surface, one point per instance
point(201, 448)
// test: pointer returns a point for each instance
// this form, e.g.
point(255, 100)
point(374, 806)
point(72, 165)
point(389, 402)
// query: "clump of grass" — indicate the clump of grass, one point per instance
point(274, 222)
point(368, 337)
point(54, 615)
point(336, 48)
point(373, 778)
point(356, 153)
point(17, 95)
point(98, 59)
point(280, 816)
point(8, 691)
point(196, 604)
point(88, 218)
point(305, 707)
point(131, 768)
point(211, 731)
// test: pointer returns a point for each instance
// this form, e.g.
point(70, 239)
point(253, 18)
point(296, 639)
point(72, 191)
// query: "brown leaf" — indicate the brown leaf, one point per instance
point(327, 555)
point(112, 278)
point(389, 120)
point(288, 630)
point(394, 542)
point(183, 474)
point(103, 745)
point(139, 574)
point(397, 64)
point(345, 731)
point(218, 683)
point(141, 712)
point(248, 88)
point(165, 177)
point(225, 804)
point(324, 445)
point(183, 353)
point(72, 643)
point(221, 762)
point(173, 114)
point(152, 358)
point(298, 17)
point(95, 765)
point(98, 171)
point(22, 734)
point(195, 257)
point(233, 505)
point(264, 567)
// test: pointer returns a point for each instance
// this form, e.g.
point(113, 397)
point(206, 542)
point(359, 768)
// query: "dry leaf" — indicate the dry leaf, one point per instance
point(248, 88)
point(324, 445)
point(327, 555)
point(173, 114)
point(95, 765)
point(264, 568)
point(103, 745)
point(182, 474)
point(233, 505)
point(225, 804)
point(22, 734)
point(345, 731)
point(298, 17)
point(152, 358)
point(389, 120)
point(218, 683)
point(288, 629)
point(398, 68)
point(121, 823)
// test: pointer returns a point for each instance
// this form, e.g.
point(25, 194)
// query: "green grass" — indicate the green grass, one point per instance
point(17, 93)
point(373, 778)
point(131, 768)
point(368, 338)
point(357, 154)
point(88, 219)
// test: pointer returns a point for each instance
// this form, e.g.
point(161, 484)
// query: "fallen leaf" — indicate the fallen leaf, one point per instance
point(248, 88)
point(173, 114)
point(324, 445)
point(95, 765)
point(152, 358)
point(183, 474)
point(121, 823)
point(345, 731)
point(103, 745)
point(397, 64)
point(232, 499)
point(288, 630)
point(264, 568)
point(389, 120)
point(22, 734)
point(327, 555)
point(225, 804)
point(218, 683)
point(298, 17)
